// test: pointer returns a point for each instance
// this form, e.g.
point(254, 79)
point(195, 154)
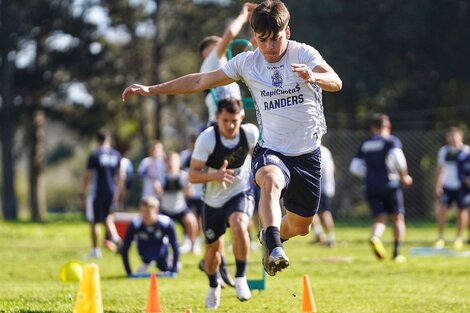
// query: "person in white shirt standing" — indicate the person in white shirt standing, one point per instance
point(286, 79)
point(448, 186)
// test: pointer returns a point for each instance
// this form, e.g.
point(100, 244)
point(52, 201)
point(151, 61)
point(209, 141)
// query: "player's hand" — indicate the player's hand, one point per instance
point(248, 8)
point(438, 191)
point(82, 199)
point(304, 72)
point(406, 180)
point(224, 175)
point(135, 89)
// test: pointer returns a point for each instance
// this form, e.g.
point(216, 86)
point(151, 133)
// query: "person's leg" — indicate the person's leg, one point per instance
point(329, 225)
point(212, 262)
point(241, 246)
point(378, 228)
point(441, 222)
point(462, 221)
point(190, 224)
point(295, 225)
point(317, 229)
point(399, 229)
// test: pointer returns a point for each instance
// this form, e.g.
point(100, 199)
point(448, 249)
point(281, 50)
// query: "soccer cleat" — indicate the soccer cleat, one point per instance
point(143, 268)
point(226, 277)
point(440, 244)
point(241, 289)
point(213, 298)
point(399, 258)
point(265, 251)
point(458, 244)
point(378, 248)
point(278, 260)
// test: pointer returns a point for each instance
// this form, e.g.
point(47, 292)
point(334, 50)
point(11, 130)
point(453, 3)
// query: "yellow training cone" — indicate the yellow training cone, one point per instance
point(89, 293)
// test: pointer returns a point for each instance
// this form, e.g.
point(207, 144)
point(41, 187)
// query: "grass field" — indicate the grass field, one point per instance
point(346, 278)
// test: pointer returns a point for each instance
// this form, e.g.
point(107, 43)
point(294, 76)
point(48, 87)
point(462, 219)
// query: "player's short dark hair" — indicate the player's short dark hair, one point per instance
point(207, 41)
point(379, 121)
point(103, 135)
point(269, 18)
point(149, 202)
point(231, 105)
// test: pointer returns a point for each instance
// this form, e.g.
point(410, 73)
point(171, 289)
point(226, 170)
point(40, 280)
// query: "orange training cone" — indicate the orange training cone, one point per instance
point(89, 293)
point(153, 303)
point(308, 303)
point(188, 311)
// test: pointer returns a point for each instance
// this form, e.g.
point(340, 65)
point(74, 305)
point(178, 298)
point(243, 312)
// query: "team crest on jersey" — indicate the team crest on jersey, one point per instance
point(277, 79)
point(158, 234)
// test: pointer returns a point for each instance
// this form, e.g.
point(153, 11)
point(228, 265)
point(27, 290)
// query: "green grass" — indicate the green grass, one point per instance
point(31, 255)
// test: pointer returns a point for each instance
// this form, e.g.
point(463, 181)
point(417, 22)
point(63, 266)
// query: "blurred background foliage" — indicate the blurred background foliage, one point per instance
point(64, 64)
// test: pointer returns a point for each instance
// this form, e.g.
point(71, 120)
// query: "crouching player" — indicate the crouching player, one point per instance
point(153, 233)
point(221, 161)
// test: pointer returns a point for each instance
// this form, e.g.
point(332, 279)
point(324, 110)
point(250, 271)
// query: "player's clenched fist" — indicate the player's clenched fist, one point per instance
point(135, 89)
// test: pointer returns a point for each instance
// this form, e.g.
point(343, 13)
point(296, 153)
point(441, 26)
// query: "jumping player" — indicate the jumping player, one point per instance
point(286, 79)
point(382, 164)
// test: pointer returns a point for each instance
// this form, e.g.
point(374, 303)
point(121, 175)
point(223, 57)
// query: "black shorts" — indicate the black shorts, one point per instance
point(301, 192)
point(215, 220)
point(449, 196)
point(389, 201)
point(99, 208)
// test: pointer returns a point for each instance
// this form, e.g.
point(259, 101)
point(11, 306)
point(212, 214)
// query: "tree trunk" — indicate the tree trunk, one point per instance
point(6, 128)
point(36, 158)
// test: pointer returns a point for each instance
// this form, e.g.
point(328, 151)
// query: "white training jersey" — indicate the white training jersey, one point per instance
point(173, 200)
point(212, 63)
point(151, 169)
point(215, 195)
point(289, 110)
point(447, 159)
point(327, 172)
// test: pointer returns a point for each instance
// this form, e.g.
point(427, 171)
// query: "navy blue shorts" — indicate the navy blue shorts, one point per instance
point(301, 192)
point(449, 196)
point(215, 220)
point(389, 201)
point(98, 209)
point(325, 203)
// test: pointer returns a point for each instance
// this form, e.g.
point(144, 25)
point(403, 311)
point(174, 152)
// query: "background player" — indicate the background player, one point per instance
point(382, 164)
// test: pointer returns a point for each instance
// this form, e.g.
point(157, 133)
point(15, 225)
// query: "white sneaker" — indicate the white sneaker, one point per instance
point(241, 288)
point(213, 298)
point(95, 253)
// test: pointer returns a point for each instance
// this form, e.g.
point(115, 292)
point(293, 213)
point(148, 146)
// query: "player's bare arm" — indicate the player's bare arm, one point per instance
point(191, 83)
point(234, 28)
point(198, 174)
point(323, 75)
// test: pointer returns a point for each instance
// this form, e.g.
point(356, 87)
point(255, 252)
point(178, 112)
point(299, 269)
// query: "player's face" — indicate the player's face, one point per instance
point(454, 139)
point(273, 48)
point(149, 214)
point(229, 123)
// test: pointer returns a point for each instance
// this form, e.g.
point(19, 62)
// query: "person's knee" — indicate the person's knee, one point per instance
point(271, 181)
point(303, 229)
